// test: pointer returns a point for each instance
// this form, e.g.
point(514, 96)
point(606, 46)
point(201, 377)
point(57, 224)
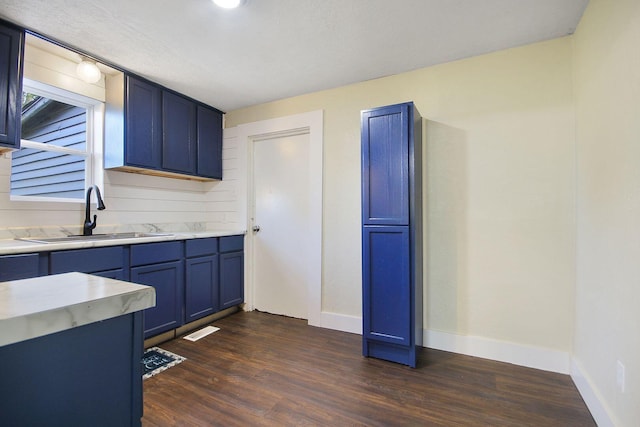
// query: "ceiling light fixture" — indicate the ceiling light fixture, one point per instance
point(228, 4)
point(88, 71)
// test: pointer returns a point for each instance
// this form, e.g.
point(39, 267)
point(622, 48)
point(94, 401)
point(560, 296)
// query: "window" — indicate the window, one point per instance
point(61, 151)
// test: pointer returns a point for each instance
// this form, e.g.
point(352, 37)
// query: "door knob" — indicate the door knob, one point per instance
point(256, 228)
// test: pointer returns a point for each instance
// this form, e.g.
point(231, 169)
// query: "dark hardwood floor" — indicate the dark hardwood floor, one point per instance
point(267, 370)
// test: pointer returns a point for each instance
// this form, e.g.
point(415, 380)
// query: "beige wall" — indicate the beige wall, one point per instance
point(607, 86)
point(500, 179)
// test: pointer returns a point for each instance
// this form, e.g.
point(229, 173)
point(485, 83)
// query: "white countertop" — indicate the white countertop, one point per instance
point(32, 308)
point(12, 246)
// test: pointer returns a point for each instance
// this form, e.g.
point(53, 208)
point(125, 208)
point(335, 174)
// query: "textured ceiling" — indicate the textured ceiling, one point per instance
point(273, 49)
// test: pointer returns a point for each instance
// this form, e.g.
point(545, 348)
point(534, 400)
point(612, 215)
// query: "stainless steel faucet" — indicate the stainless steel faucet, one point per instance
point(88, 224)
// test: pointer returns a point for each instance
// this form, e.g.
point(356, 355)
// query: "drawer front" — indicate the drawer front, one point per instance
point(231, 243)
point(153, 253)
point(201, 247)
point(16, 267)
point(87, 260)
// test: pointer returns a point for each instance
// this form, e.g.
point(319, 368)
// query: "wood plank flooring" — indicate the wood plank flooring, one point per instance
point(267, 370)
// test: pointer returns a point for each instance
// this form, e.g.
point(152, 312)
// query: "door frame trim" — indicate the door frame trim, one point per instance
point(310, 123)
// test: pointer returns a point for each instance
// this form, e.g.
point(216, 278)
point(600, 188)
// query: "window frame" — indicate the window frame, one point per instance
point(93, 154)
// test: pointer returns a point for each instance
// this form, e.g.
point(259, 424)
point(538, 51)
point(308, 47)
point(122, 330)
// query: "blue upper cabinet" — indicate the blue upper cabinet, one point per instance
point(179, 134)
point(385, 160)
point(11, 53)
point(143, 139)
point(153, 130)
point(209, 143)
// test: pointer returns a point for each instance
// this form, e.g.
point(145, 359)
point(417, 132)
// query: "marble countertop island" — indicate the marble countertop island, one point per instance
point(32, 308)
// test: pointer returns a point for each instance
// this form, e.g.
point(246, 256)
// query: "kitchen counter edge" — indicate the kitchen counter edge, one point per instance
point(15, 247)
point(32, 308)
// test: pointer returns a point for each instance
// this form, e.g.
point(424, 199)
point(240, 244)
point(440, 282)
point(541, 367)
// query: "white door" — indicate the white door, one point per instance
point(282, 213)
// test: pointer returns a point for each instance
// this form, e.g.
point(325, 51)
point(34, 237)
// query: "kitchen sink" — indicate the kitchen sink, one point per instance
point(94, 237)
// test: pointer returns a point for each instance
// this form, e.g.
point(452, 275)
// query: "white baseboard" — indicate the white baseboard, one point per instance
point(338, 322)
point(590, 396)
point(502, 351)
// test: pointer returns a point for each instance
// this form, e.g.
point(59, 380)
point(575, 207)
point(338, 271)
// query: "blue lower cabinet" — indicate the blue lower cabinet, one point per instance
point(108, 262)
point(118, 274)
point(202, 290)
point(23, 266)
point(201, 287)
point(231, 271)
point(161, 265)
point(193, 278)
point(168, 281)
point(231, 279)
point(85, 376)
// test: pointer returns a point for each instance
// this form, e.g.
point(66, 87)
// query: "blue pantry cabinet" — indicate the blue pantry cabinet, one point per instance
point(392, 232)
point(11, 58)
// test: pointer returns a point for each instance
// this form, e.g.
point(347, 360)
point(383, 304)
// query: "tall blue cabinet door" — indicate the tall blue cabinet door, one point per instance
point(385, 166)
point(179, 130)
point(209, 143)
point(143, 145)
point(168, 281)
point(11, 52)
point(387, 285)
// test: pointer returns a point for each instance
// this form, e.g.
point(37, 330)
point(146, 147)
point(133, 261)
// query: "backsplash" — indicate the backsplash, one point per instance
point(135, 203)
point(59, 231)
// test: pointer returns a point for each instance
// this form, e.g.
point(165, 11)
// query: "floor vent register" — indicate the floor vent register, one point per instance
point(201, 333)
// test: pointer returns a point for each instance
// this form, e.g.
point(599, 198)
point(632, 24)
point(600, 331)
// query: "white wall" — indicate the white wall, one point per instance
point(131, 199)
point(607, 92)
point(500, 220)
point(41, 63)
